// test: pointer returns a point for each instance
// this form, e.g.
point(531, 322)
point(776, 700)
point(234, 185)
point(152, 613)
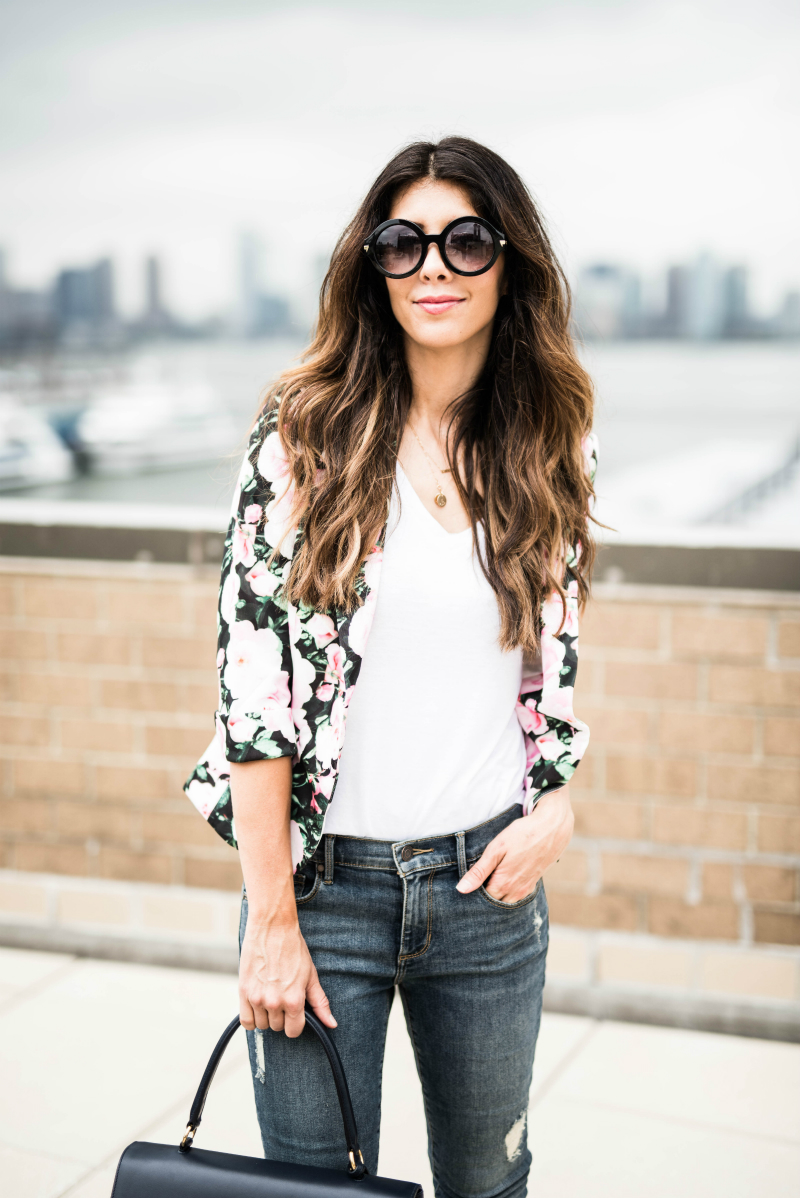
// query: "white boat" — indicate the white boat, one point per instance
point(31, 452)
point(154, 426)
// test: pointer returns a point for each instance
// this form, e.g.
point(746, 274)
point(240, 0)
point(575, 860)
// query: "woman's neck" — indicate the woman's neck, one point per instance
point(438, 376)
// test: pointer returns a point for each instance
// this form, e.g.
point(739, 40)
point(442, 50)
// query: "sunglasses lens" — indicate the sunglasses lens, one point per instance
point(469, 246)
point(398, 250)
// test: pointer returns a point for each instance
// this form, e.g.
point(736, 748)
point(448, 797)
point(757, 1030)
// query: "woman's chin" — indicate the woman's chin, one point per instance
point(439, 333)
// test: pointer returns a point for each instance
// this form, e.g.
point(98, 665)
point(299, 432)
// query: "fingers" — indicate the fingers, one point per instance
point(246, 1015)
point(318, 1001)
point(490, 858)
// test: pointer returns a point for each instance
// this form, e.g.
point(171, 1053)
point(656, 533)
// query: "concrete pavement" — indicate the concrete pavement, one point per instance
point(94, 1054)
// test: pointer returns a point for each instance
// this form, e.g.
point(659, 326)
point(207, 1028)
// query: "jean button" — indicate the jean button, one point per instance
point(407, 852)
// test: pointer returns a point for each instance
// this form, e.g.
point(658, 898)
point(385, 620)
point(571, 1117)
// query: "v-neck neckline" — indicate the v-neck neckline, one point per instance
point(429, 515)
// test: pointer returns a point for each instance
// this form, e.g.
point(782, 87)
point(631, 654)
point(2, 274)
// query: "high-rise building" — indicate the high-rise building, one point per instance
point(155, 319)
point(260, 313)
point(85, 296)
point(152, 283)
point(787, 322)
point(26, 316)
point(608, 302)
point(675, 313)
point(705, 306)
point(737, 320)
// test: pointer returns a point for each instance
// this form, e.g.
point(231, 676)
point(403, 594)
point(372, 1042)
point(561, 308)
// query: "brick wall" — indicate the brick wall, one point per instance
point(108, 693)
point(687, 805)
point(688, 802)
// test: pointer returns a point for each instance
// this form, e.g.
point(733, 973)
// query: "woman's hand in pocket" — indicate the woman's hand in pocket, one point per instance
point(512, 864)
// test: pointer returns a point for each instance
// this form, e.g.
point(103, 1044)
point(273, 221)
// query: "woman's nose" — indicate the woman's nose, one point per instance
point(433, 264)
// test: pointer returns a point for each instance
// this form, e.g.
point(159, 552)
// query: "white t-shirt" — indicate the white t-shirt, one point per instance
point(433, 743)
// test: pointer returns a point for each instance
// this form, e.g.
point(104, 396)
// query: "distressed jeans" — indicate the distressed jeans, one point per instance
point(376, 916)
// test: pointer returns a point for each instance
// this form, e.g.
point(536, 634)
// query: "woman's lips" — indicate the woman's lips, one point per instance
point(438, 303)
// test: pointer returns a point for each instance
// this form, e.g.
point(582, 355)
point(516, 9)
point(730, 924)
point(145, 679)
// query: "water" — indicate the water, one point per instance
point(670, 408)
point(658, 398)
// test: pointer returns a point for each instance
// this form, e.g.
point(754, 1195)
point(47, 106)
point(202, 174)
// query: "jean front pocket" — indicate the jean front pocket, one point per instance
point(307, 882)
point(501, 906)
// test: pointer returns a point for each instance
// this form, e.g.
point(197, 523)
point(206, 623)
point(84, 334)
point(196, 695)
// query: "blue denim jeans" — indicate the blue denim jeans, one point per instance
point(470, 972)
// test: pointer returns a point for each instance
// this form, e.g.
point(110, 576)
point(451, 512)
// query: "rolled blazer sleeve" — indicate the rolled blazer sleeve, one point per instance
point(254, 657)
point(555, 738)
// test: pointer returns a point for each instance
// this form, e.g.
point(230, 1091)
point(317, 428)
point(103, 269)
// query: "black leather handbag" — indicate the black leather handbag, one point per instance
point(182, 1171)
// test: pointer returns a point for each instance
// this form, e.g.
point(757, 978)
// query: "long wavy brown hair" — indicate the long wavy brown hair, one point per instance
point(516, 434)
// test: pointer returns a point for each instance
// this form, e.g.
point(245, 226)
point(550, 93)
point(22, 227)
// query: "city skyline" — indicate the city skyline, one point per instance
point(699, 299)
point(647, 131)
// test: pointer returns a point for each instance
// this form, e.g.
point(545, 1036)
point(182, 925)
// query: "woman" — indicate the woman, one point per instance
point(407, 554)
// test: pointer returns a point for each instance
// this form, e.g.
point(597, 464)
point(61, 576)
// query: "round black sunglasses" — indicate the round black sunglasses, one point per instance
point(468, 246)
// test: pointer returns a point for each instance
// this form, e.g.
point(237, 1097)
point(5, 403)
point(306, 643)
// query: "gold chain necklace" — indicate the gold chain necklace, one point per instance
point(440, 499)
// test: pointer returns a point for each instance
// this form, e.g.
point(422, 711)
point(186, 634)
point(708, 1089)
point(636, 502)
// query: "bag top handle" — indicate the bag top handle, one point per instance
point(357, 1167)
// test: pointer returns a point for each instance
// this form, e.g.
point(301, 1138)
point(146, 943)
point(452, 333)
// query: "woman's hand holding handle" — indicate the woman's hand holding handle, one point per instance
point(276, 973)
point(514, 861)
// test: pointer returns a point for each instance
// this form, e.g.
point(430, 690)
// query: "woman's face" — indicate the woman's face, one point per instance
point(436, 308)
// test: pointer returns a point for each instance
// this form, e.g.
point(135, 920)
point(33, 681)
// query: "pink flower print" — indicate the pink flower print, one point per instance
point(244, 536)
point(360, 625)
point(325, 784)
point(302, 681)
point(220, 659)
point(253, 513)
point(326, 746)
point(295, 627)
point(325, 692)
point(552, 615)
point(335, 670)
point(275, 692)
point(553, 654)
point(532, 752)
point(550, 746)
point(204, 796)
point(228, 596)
point(558, 704)
point(580, 741)
point(278, 530)
point(338, 720)
point(254, 660)
point(297, 842)
point(530, 719)
point(262, 580)
point(330, 736)
point(241, 725)
point(303, 731)
point(372, 567)
point(589, 446)
point(272, 462)
point(322, 628)
point(315, 806)
point(532, 682)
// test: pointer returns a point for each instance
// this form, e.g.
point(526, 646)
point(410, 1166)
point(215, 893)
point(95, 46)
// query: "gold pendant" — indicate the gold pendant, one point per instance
point(441, 499)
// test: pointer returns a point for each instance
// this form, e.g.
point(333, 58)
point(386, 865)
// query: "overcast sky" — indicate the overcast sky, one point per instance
point(648, 131)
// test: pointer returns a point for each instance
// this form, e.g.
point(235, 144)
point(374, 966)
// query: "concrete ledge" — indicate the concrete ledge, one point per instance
point(747, 567)
point(763, 1021)
point(703, 985)
point(700, 556)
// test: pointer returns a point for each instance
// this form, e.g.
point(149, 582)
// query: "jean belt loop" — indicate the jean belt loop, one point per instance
point(329, 839)
point(462, 854)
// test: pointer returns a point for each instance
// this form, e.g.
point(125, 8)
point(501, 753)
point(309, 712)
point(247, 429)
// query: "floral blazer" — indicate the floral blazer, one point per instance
point(287, 673)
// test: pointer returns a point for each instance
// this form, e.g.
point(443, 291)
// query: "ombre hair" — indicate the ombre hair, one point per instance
point(516, 434)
